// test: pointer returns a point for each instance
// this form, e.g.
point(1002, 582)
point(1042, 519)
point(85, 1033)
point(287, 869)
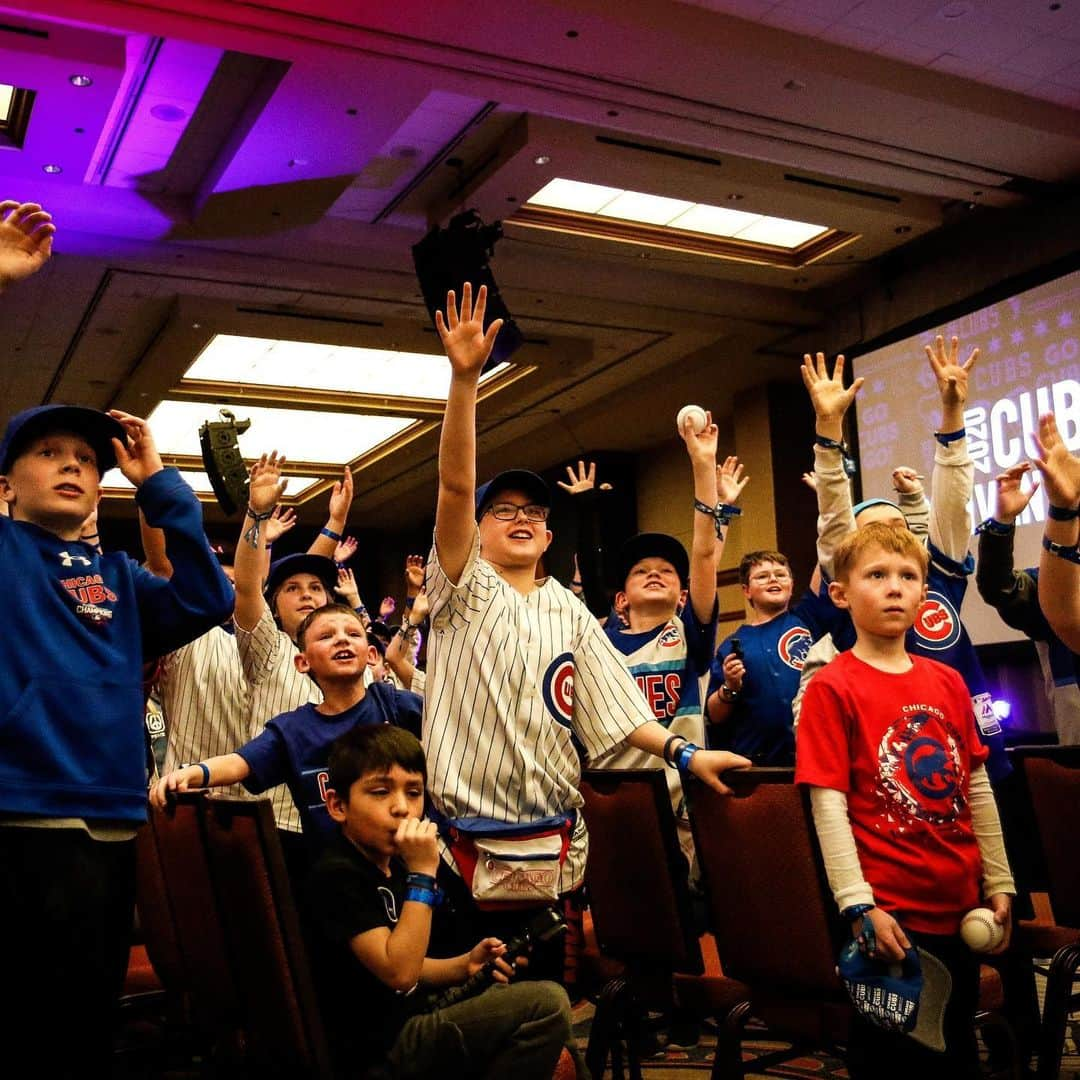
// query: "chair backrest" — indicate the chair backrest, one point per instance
point(636, 873)
point(202, 960)
point(157, 922)
point(281, 1017)
point(775, 925)
point(1053, 783)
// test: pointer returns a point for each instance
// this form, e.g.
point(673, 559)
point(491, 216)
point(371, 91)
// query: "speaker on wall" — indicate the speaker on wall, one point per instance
point(219, 440)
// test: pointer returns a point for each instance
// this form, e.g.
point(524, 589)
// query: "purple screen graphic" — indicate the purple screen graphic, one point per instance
point(1029, 363)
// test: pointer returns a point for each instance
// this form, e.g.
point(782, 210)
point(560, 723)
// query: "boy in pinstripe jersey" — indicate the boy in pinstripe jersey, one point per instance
point(521, 679)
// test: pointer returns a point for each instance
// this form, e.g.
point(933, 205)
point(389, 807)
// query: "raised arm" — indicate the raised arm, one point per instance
point(333, 532)
point(249, 566)
point(701, 448)
point(26, 236)
point(1059, 574)
point(831, 402)
point(467, 347)
point(954, 472)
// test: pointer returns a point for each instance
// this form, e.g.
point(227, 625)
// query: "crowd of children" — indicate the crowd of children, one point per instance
point(405, 793)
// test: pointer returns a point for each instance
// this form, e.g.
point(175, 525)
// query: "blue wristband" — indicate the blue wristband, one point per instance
point(333, 535)
point(846, 459)
point(946, 437)
point(1068, 552)
point(683, 755)
point(1062, 513)
point(205, 773)
point(421, 881)
point(995, 527)
point(421, 896)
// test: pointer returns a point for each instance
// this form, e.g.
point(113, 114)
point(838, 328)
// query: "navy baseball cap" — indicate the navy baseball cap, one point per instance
point(322, 567)
point(96, 427)
point(533, 487)
point(908, 998)
point(653, 546)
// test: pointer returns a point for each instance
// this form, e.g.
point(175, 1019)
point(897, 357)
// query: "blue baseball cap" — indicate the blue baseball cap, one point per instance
point(858, 508)
point(96, 427)
point(532, 486)
point(320, 566)
point(908, 998)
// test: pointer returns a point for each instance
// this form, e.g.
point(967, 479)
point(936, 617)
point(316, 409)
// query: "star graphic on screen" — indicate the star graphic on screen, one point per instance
point(1065, 319)
point(994, 345)
point(1040, 327)
point(1017, 337)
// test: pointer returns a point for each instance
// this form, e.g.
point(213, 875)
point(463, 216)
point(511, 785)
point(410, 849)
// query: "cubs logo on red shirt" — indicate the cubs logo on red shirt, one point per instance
point(937, 625)
point(558, 688)
point(793, 646)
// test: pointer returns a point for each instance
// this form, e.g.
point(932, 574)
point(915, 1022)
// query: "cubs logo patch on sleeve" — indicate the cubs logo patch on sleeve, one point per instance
point(793, 646)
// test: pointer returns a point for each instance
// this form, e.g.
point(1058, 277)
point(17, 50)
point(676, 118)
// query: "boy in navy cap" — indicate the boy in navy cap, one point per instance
point(73, 780)
point(72, 756)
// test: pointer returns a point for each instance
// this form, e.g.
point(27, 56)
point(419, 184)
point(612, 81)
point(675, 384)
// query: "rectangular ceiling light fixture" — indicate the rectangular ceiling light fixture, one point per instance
point(309, 365)
point(15, 107)
point(199, 482)
point(606, 213)
point(333, 439)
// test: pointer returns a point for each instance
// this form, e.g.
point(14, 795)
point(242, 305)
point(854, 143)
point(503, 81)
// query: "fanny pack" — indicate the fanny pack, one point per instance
point(509, 865)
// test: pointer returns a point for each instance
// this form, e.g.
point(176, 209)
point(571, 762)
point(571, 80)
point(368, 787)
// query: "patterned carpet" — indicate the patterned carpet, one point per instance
point(682, 1063)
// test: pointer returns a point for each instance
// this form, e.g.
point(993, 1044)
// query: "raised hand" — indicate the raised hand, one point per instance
point(700, 445)
point(387, 607)
point(414, 574)
point(952, 376)
point(1060, 470)
point(280, 522)
point(345, 550)
point(810, 480)
point(137, 456)
point(26, 236)
point(346, 587)
point(1012, 500)
point(582, 480)
point(905, 480)
point(266, 486)
point(341, 497)
point(421, 607)
point(827, 394)
point(730, 481)
point(466, 343)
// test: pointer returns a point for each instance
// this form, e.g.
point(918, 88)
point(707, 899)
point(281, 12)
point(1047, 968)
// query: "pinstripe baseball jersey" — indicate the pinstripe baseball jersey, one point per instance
point(205, 700)
point(274, 687)
point(515, 686)
point(668, 663)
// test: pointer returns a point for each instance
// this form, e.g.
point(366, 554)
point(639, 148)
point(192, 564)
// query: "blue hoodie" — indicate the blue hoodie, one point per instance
point(79, 626)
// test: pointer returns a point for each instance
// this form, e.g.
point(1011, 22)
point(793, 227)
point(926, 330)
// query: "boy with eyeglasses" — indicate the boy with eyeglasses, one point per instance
point(522, 683)
point(755, 673)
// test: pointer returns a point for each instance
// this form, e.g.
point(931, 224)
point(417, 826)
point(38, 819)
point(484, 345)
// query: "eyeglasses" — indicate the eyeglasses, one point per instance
point(508, 511)
point(781, 576)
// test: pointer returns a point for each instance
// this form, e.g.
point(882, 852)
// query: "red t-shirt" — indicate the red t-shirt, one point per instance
point(902, 747)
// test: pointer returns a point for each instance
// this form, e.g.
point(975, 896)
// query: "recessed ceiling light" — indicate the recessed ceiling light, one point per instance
point(955, 11)
point(81, 80)
point(902, 230)
point(170, 114)
point(735, 197)
point(542, 159)
point(51, 169)
point(794, 85)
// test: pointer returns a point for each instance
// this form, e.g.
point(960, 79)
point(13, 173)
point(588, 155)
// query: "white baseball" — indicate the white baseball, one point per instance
point(979, 931)
point(697, 416)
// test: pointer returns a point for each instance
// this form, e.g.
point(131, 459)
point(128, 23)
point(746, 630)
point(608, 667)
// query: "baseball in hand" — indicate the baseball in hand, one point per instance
point(979, 931)
point(697, 418)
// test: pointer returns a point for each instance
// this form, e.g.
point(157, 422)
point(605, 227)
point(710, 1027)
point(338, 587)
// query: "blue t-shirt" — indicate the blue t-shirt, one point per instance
point(294, 747)
point(938, 634)
point(760, 724)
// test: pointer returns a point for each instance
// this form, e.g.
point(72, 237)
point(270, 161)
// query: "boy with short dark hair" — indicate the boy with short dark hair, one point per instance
point(292, 749)
point(371, 896)
point(901, 801)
